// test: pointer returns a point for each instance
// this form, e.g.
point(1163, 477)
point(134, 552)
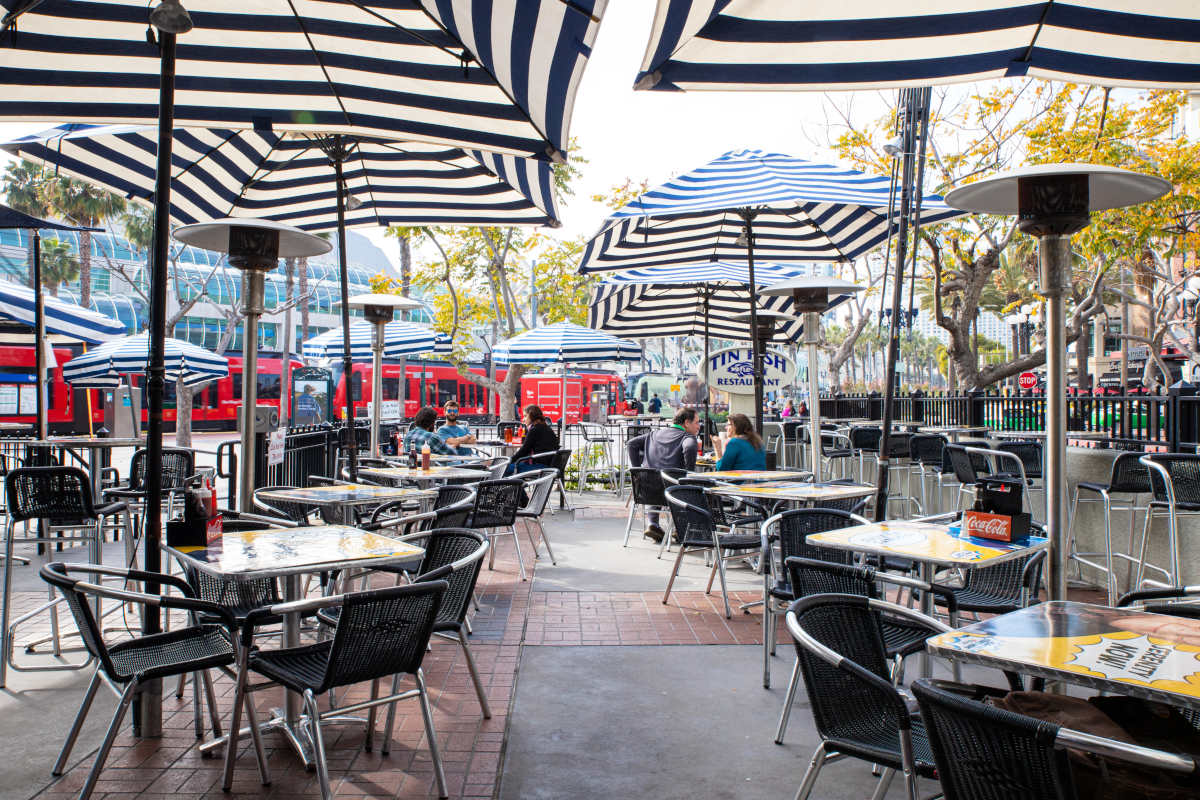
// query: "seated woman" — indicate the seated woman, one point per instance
point(739, 447)
point(539, 438)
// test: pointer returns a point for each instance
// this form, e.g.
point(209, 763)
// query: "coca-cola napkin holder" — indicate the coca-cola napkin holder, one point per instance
point(998, 514)
point(192, 529)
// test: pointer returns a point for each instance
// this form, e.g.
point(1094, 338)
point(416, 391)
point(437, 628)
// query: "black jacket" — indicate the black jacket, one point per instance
point(540, 438)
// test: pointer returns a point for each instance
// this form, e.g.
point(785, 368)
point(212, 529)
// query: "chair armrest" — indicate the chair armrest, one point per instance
point(949, 600)
point(246, 516)
point(1170, 592)
point(162, 601)
point(141, 576)
point(109, 476)
point(397, 522)
point(1135, 754)
point(909, 614)
point(1031, 566)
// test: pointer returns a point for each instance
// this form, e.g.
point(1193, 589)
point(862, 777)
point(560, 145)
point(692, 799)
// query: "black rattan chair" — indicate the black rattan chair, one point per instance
point(1000, 588)
point(864, 441)
point(178, 465)
point(647, 492)
point(538, 485)
point(924, 460)
point(857, 710)
point(296, 512)
point(697, 531)
point(988, 753)
point(902, 637)
point(379, 633)
point(1128, 477)
point(495, 508)
point(130, 663)
point(59, 500)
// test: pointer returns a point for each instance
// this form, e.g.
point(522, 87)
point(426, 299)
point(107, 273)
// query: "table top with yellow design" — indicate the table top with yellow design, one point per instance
point(752, 475)
point(434, 473)
point(1152, 656)
point(797, 491)
point(288, 551)
point(926, 542)
point(345, 494)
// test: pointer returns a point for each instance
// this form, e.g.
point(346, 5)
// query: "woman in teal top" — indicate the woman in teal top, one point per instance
point(740, 447)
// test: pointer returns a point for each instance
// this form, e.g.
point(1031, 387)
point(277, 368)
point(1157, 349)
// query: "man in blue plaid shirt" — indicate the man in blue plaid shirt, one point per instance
point(421, 434)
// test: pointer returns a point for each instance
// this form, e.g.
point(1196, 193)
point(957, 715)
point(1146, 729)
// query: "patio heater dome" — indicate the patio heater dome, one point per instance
point(252, 243)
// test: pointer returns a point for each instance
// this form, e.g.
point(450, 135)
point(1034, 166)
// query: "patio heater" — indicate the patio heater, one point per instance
point(1052, 202)
point(379, 310)
point(255, 247)
point(810, 296)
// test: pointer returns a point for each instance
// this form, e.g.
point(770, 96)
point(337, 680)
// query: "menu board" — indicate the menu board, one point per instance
point(28, 402)
point(8, 399)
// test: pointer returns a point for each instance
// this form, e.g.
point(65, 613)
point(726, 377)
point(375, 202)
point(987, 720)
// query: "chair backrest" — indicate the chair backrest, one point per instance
point(178, 464)
point(809, 576)
point(382, 632)
point(792, 429)
point(562, 458)
point(1129, 475)
point(1183, 472)
point(296, 512)
point(496, 467)
point(965, 466)
point(1030, 454)
point(55, 574)
point(60, 495)
point(671, 476)
point(926, 448)
point(690, 514)
point(453, 516)
point(538, 485)
point(866, 437)
point(794, 527)
point(898, 445)
point(461, 550)
point(987, 753)
point(1007, 582)
point(852, 505)
point(647, 486)
point(449, 495)
point(594, 432)
point(852, 701)
point(496, 503)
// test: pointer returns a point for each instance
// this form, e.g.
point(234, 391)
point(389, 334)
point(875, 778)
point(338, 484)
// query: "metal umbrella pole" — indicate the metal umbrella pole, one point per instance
point(376, 384)
point(707, 410)
point(39, 337)
point(748, 215)
point(812, 338)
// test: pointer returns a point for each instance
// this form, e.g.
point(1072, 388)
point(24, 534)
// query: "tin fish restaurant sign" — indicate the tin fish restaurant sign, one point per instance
point(732, 370)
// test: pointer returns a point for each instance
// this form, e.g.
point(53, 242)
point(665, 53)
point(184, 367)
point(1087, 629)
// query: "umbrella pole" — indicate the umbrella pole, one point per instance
point(748, 214)
point(812, 337)
point(337, 153)
point(707, 411)
point(376, 385)
point(134, 415)
point(562, 417)
point(39, 335)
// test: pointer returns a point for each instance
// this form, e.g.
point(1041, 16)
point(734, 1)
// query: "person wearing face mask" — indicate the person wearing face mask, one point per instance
point(453, 430)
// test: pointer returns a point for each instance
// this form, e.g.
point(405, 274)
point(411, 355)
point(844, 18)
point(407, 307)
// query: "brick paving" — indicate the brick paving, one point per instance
point(510, 616)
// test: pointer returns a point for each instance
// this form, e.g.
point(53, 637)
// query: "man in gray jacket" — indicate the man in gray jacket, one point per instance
point(666, 448)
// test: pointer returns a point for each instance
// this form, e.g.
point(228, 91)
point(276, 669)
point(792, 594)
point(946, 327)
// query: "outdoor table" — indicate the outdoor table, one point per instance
point(928, 544)
point(751, 475)
point(954, 431)
point(418, 475)
point(1122, 650)
point(1018, 434)
point(796, 491)
point(344, 495)
point(96, 447)
point(438, 458)
point(289, 553)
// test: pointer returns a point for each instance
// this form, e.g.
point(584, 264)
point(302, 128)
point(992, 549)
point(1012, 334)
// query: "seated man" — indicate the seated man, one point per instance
point(421, 434)
point(454, 430)
point(667, 448)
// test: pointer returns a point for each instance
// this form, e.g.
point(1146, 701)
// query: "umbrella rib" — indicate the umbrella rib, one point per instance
point(316, 54)
point(260, 171)
point(1024, 59)
point(206, 155)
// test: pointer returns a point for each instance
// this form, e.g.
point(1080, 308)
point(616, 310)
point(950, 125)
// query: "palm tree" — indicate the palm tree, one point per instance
point(87, 206)
point(23, 190)
point(59, 264)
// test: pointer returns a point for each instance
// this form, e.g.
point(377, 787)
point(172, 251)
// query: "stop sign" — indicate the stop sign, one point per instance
point(1027, 380)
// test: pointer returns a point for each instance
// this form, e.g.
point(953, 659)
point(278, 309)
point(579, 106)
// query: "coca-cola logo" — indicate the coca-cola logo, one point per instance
point(988, 526)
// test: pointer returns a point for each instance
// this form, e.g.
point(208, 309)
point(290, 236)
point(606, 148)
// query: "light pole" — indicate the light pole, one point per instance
point(1053, 201)
point(379, 310)
point(810, 296)
point(255, 247)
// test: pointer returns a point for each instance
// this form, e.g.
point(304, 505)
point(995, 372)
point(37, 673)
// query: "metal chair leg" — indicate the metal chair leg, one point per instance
point(430, 734)
point(793, 684)
point(810, 775)
point(674, 572)
point(474, 670)
point(629, 523)
point(114, 728)
point(517, 545)
point(549, 549)
point(73, 735)
point(724, 589)
point(318, 743)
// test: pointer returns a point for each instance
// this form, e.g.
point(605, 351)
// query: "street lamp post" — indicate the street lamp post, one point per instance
point(1052, 202)
point(255, 247)
point(810, 296)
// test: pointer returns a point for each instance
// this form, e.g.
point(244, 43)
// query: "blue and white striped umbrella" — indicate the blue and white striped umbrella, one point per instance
point(783, 45)
point(496, 75)
point(130, 355)
point(669, 301)
point(224, 173)
point(564, 342)
point(62, 318)
point(400, 338)
point(805, 211)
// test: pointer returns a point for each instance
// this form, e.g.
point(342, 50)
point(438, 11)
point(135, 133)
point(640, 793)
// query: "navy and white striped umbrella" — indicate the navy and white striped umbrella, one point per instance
point(400, 338)
point(226, 173)
point(130, 355)
point(670, 301)
point(782, 45)
point(62, 318)
point(497, 75)
point(804, 211)
point(564, 342)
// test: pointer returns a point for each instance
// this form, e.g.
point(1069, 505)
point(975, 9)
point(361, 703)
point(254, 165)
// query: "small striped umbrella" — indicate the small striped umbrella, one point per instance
point(400, 338)
point(564, 342)
point(62, 318)
point(130, 355)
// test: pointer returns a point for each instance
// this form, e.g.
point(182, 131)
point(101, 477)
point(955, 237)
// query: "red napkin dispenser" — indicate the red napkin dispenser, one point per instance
point(999, 527)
